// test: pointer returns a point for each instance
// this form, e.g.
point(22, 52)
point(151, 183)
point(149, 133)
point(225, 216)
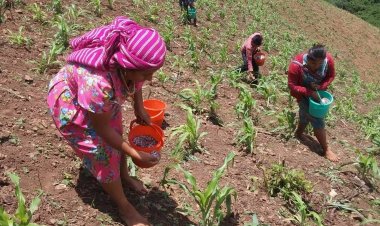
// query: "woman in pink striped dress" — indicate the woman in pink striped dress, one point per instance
point(107, 65)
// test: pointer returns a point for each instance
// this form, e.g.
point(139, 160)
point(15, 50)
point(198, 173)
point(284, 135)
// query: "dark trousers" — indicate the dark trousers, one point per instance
point(244, 67)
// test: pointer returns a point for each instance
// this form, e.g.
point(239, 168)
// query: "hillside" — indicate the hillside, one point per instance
point(201, 59)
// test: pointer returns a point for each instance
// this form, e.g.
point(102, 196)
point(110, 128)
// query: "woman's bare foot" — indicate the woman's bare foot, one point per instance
point(130, 216)
point(331, 156)
point(135, 184)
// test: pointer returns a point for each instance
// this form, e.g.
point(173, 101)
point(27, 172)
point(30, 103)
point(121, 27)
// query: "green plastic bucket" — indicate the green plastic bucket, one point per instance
point(192, 13)
point(319, 110)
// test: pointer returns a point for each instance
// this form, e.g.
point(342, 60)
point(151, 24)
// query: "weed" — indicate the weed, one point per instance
point(153, 13)
point(209, 200)
point(62, 36)
point(48, 59)
point(73, 12)
point(168, 33)
point(162, 76)
point(282, 180)
point(23, 215)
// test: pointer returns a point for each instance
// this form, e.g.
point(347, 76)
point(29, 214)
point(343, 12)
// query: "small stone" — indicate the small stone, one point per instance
point(60, 187)
point(333, 193)
point(52, 221)
point(2, 156)
point(28, 79)
point(35, 129)
point(19, 11)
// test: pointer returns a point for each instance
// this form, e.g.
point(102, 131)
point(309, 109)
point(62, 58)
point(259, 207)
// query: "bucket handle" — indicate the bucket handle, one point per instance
point(155, 127)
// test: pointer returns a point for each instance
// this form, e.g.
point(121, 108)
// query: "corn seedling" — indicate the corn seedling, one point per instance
point(111, 4)
point(246, 103)
point(49, 59)
point(302, 211)
point(23, 214)
point(268, 90)
point(97, 4)
point(19, 38)
point(168, 33)
point(234, 77)
point(215, 80)
point(189, 135)
point(73, 12)
point(209, 200)
point(62, 36)
point(162, 77)
point(282, 180)
point(247, 135)
point(38, 14)
point(223, 53)
point(287, 122)
point(138, 2)
point(367, 167)
point(195, 97)
point(56, 6)
point(153, 13)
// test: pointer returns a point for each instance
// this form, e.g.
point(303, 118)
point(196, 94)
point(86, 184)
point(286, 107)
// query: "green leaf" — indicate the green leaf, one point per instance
point(35, 203)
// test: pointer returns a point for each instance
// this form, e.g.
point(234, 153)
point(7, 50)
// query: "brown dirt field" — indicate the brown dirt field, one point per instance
point(30, 145)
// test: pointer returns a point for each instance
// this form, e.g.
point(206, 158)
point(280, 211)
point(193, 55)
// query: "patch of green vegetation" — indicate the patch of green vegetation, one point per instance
point(368, 10)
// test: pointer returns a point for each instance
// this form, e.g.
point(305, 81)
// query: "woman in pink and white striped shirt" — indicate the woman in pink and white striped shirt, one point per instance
point(107, 65)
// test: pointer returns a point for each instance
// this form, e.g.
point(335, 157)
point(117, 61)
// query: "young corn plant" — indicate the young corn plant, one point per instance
point(281, 180)
point(246, 103)
point(247, 135)
point(38, 14)
point(49, 59)
point(287, 122)
point(367, 167)
point(62, 36)
point(215, 80)
point(56, 6)
point(73, 12)
point(23, 215)
point(153, 13)
point(196, 97)
point(210, 200)
point(189, 136)
point(111, 4)
point(19, 38)
point(168, 33)
point(302, 211)
point(268, 90)
point(97, 4)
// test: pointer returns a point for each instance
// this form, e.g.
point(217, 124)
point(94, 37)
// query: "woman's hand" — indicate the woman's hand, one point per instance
point(147, 158)
point(142, 117)
point(315, 96)
point(315, 86)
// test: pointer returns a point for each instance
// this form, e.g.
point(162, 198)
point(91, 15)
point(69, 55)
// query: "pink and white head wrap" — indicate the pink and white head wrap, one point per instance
point(123, 43)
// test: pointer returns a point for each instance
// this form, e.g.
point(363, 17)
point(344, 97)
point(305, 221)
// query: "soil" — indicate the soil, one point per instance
point(31, 146)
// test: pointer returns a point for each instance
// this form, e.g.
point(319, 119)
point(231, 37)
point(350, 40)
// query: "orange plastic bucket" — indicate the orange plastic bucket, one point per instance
point(158, 118)
point(154, 131)
point(260, 58)
point(156, 110)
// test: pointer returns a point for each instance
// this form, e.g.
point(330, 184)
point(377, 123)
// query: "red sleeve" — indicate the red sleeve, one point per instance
point(330, 73)
point(294, 81)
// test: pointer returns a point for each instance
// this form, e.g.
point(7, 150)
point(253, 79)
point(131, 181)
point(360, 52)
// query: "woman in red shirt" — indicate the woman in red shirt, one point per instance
point(309, 72)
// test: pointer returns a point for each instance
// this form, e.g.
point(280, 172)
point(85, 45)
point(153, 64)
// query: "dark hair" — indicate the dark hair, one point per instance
point(257, 40)
point(318, 51)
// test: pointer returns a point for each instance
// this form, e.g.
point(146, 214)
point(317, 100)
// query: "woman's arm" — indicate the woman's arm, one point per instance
point(138, 106)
